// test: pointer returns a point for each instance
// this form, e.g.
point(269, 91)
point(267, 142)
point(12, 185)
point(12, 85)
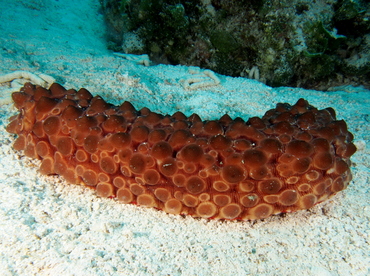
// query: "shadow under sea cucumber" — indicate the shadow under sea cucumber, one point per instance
point(290, 159)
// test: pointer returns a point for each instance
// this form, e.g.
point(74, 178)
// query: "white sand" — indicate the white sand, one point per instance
point(48, 227)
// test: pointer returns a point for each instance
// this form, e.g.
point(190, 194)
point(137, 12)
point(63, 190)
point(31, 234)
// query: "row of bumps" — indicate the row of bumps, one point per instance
point(290, 159)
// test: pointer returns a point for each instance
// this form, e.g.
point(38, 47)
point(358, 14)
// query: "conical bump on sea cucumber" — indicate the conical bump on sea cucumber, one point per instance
point(290, 159)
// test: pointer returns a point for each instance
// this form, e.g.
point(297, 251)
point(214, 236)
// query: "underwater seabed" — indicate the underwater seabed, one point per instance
point(49, 227)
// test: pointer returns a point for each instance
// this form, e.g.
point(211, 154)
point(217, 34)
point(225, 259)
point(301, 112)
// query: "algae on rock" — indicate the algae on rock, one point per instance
point(306, 43)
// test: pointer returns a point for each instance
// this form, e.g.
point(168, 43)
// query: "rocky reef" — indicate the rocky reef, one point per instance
point(311, 44)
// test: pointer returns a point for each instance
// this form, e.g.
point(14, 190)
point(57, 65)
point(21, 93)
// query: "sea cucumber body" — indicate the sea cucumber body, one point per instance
point(290, 159)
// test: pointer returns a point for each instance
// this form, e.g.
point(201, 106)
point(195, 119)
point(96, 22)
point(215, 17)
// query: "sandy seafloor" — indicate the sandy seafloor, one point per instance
point(48, 227)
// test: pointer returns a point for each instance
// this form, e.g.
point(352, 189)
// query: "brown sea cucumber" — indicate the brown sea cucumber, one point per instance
point(290, 159)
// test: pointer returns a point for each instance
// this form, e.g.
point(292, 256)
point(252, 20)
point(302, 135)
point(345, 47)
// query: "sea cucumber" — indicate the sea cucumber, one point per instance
point(290, 159)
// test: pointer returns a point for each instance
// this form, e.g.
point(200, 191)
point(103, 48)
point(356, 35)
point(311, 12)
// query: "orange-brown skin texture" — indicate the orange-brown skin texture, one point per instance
point(291, 159)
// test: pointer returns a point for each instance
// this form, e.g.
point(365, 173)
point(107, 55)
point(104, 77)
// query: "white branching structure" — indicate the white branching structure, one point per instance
point(138, 59)
point(254, 73)
point(198, 80)
point(18, 78)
